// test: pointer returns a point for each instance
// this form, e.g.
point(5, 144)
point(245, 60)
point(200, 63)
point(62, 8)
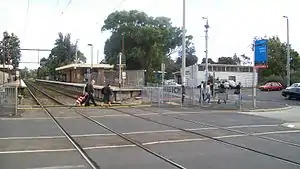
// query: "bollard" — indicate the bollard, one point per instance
point(183, 94)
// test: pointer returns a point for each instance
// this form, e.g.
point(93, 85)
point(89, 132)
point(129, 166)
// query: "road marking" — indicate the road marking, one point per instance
point(98, 116)
point(146, 143)
point(61, 167)
point(133, 133)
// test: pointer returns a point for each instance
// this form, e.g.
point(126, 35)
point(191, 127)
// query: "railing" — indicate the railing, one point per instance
point(8, 100)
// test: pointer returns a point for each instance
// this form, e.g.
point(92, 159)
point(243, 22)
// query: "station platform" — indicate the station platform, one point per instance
point(19, 83)
point(118, 93)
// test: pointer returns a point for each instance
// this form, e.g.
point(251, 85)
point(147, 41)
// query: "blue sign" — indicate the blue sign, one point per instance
point(261, 52)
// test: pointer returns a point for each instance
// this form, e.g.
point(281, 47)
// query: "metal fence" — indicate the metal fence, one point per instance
point(8, 100)
point(193, 96)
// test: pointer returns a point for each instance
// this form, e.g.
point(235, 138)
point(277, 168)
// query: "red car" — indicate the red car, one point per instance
point(271, 86)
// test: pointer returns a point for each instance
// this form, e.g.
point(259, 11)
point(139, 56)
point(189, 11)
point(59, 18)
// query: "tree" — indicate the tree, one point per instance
point(277, 57)
point(209, 61)
point(228, 60)
point(148, 41)
point(245, 59)
point(10, 50)
point(191, 57)
point(64, 52)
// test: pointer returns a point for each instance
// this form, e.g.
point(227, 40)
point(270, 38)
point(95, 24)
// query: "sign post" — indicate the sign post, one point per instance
point(260, 61)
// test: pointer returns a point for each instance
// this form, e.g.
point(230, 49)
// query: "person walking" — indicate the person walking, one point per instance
point(201, 91)
point(207, 92)
point(107, 94)
point(89, 89)
point(222, 93)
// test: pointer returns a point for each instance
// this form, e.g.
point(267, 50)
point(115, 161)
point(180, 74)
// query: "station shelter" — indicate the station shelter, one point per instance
point(79, 73)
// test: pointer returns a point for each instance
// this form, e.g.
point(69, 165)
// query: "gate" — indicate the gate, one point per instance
point(8, 100)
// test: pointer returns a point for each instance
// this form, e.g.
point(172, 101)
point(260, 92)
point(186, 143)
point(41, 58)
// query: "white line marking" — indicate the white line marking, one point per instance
point(61, 167)
point(146, 143)
point(133, 133)
point(101, 116)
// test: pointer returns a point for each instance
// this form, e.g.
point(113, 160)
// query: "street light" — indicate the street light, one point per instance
point(91, 45)
point(76, 51)
point(206, 26)
point(288, 57)
point(183, 52)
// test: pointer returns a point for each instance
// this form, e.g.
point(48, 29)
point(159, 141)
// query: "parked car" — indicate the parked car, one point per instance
point(172, 87)
point(292, 92)
point(294, 85)
point(271, 86)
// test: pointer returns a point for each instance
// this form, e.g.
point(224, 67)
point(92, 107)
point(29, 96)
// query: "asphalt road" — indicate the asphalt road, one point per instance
point(33, 141)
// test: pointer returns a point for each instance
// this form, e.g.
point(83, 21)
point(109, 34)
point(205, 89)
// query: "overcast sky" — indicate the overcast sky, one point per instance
point(233, 23)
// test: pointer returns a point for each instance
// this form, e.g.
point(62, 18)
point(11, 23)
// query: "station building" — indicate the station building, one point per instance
point(238, 73)
point(5, 73)
point(79, 73)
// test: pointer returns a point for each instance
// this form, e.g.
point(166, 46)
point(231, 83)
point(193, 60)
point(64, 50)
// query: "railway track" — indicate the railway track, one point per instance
point(44, 98)
point(198, 134)
point(85, 156)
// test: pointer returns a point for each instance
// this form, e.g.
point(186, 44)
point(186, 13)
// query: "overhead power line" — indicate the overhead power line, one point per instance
point(115, 8)
point(66, 7)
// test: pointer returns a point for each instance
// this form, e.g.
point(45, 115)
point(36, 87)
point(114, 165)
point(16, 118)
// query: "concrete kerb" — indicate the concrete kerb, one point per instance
point(286, 107)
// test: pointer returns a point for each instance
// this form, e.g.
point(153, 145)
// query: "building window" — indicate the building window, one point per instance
point(200, 68)
point(223, 69)
point(251, 69)
point(215, 68)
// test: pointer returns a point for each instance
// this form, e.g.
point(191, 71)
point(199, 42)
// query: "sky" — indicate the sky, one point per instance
point(233, 23)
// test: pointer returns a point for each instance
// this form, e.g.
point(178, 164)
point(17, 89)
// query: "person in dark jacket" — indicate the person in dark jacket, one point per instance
point(89, 88)
point(107, 94)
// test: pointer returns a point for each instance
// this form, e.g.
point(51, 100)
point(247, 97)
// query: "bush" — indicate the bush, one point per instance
point(273, 78)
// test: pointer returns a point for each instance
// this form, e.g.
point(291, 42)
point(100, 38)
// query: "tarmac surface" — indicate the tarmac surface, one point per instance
point(34, 141)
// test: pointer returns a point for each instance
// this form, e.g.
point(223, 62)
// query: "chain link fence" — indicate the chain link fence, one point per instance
point(193, 96)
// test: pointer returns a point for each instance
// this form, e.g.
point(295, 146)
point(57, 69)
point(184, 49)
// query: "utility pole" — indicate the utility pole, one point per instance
point(183, 53)
point(98, 56)
point(90, 73)
point(288, 57)
point(76, 51)
point(206, 26)
point(120, 69)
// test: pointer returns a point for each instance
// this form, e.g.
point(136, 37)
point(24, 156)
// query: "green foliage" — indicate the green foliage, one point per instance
point(191, 57)
point(10, 50)
point(274, 78)
point(63, 53)
point(148, 41)
point(27, 73)
point(277, 62)
point(229, 60)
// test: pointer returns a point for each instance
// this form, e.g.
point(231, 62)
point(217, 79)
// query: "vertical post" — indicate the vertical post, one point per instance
point(206, 51)
point(3, 60)
point(183, 52)
point(91, 70)
point(16, 91)
point(76, 53)
point(254, 87)
point(120, 69)
point(288, 53)
point(92, 58)
point(163, 67)
point(123, 53)
point(98, 56)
